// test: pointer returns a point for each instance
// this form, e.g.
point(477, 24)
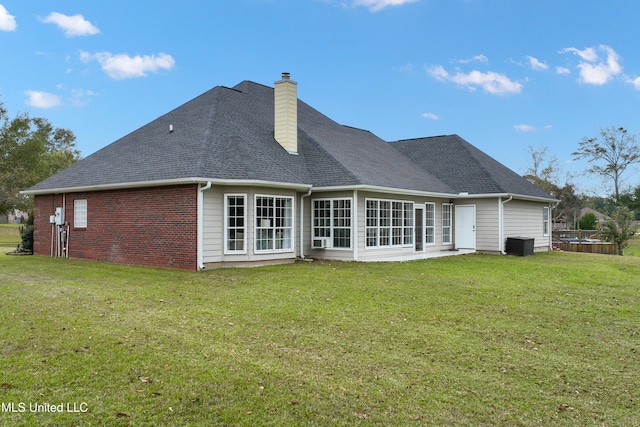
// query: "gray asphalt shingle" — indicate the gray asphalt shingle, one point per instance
point(227, 134)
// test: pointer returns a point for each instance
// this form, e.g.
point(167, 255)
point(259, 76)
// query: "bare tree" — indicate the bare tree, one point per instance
point(543, 166)
point(610, 154)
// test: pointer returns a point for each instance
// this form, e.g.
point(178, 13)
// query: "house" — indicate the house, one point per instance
point(253, 175)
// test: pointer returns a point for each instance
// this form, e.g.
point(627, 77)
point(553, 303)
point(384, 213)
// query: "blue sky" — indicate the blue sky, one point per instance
point(504, 75)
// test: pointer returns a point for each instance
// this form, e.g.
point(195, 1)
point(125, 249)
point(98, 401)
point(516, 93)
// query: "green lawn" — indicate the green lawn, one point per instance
point(9, 235)
point(547, 340)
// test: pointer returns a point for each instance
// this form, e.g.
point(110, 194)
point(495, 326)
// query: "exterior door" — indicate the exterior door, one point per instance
point(418, 238)
point(465, 223)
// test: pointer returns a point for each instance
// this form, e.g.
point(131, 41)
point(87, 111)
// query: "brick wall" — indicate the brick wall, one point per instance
point(154, 226)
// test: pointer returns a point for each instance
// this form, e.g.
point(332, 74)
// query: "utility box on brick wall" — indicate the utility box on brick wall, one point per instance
point(520, 246)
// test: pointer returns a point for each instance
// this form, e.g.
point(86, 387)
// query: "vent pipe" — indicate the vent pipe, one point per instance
point(286, 113)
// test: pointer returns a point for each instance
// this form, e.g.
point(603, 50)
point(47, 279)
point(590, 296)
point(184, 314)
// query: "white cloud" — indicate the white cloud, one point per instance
point(7, 21)
point(73, 26)
point(42, 99)
point(478, 58)
point(377, 5)
point(563, 70)
point(492, 82)
point(593, 70)
point(588, 54)
point(122, 66)
point(430, 116)
point(524, 128)
point(635, 82)
point(528, 128)
point(536, 64)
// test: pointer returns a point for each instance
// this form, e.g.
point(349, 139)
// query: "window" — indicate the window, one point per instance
point(446, 222)
point(274, 224)
point(80, 213)
point(235, 223)
point(332, 219)
point(342, 223)
point(372, 223)
point(545, 221)
point(389, 223)
point(430, 224)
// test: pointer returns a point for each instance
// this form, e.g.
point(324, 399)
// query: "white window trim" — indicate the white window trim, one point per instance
point(256, 228)
point(391, 226)
point(433, 227)
point(80, 212)
point(226, 249)
point(331, 225)
point(450, 226)
point(546, 221)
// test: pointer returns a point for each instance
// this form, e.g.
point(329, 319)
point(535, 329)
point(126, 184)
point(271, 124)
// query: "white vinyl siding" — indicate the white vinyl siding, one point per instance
point(525, 219)
point(80, 213)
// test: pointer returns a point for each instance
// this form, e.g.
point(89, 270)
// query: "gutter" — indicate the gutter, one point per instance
point(166, 182)
point(200, 242)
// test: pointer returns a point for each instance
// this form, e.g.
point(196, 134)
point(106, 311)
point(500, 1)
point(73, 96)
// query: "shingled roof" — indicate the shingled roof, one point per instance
point(465, 168)
point(227, 135)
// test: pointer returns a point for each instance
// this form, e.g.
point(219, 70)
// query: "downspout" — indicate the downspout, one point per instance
point(501, 222)
point(551, 208)
point(354, 225)
point(302, 222)
point(200, 244)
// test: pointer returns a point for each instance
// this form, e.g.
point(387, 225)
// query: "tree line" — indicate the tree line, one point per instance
point(31, 149)
point(612, 154)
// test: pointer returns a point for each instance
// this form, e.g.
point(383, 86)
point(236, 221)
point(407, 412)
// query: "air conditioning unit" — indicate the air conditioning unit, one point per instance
point(320, 243)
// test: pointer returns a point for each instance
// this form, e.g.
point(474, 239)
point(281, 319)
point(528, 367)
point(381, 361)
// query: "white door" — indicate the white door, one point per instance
point(465, 227)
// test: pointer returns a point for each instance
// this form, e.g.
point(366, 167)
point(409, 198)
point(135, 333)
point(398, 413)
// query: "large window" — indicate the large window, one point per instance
point(332, 220)
point(274, 224)
point(389, 223)
point(446, 222)
point(545, 221)
point(235, 223)
point(80, 213)
point(430, 224)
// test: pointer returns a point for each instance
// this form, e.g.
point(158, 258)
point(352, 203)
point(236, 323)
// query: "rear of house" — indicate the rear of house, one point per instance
point(252, 175)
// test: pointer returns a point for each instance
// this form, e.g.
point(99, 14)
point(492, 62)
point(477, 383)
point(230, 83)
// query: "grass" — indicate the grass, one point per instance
point(9, 235)
point(547, 340)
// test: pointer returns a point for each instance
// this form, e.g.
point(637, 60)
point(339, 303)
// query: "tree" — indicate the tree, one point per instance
point(588, 221)
point(543, 172)
point(610, 154)
point(618, 228)
point(31, 149)
point(543, 169)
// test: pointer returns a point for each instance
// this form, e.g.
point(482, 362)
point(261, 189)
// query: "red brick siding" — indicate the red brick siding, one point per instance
point(154, 226)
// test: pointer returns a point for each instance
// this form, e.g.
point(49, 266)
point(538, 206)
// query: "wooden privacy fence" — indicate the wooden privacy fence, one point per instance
point(582, 241)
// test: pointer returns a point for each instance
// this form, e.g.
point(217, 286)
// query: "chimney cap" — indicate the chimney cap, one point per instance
point(286, 75)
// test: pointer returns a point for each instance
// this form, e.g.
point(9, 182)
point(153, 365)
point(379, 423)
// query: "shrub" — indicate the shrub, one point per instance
point(619, 228)
point(27, 238)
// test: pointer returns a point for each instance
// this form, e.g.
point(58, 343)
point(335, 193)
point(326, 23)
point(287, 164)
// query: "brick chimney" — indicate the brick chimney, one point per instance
point(286, 113)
